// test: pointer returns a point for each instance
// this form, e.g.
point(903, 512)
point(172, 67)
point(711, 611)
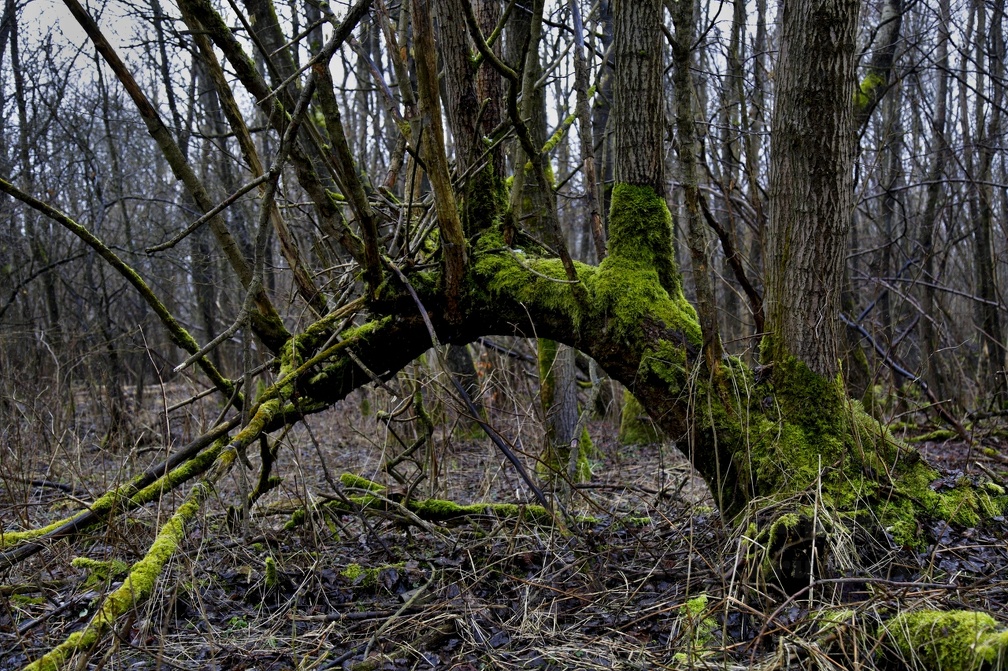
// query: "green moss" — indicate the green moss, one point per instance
point(630, 293)
point(439, 510)
point(442, 510)
point(640, 231)
point(367, 576)
point(937, 436)
point(781, 526)
point(559, 134)
point(135, 589)
point(948, 641)
point(699, 627)
point(297, 519)
point(994, 489)
point(100, 572)
point(868, 90)
point(636, 427)
point(586, 453)
point(357, 482)
point(271, 578)
point(352, 572)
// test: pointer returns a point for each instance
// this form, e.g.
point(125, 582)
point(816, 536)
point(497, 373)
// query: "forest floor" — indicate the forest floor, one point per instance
point(648, 576)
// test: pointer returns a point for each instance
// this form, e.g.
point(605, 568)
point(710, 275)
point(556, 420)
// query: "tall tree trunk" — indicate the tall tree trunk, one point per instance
point(732, 111)
point(698, 236)
point(811, 188)
point(638, 104)
point(992, 350)
point(602, 107)
point(892, 169)
point(940, 157)
point(490, 86)
point(533, 206)
point(39, 250)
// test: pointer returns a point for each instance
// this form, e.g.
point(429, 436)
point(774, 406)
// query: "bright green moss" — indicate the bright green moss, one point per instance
point(640, 231)
point(366, 576)
point(357, 482)
point(99, 572)
point(441, 510)
point(948, 641)
point(135, 589)
point(272, 578)
point(559, 134)
point(695, 620)
point(868, 90)
point(630, 293)
point(818, 432)
point(781, 526)
point(586, 452)
point(936, 436)
point(297, 519)
point(352, 572)
point(994, 489)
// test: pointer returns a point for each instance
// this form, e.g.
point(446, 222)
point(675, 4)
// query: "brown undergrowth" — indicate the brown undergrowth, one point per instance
point(644, 574)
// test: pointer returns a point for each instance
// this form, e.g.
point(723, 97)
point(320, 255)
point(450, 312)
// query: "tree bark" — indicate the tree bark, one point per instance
point(811, 181)
point(639, 142)
point(929, 334)
point(698, 237)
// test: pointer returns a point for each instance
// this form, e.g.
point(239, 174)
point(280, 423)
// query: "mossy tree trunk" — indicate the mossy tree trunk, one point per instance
point(790, 435)
point(534, 211)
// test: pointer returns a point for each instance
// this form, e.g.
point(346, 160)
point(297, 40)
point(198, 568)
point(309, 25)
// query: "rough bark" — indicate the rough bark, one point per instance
point(811, 188)
point(698, 236)
point(637, 47)
point(988, 318)
point(433, 152)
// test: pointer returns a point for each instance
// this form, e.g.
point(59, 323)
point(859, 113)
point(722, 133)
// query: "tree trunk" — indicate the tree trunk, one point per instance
point(992, 349)
point(697, 235)
point(811, 189)
point(929, 334)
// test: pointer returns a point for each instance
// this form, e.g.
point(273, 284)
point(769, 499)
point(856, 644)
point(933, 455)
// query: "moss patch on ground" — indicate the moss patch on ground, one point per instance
point(948, 641)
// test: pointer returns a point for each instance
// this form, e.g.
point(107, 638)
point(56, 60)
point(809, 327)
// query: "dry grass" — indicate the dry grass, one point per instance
point(480, 592)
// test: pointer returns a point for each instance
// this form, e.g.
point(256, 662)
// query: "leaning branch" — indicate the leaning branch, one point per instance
point(137, 586)
point(174, 471)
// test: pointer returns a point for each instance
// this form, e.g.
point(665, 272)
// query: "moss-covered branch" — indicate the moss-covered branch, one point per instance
point(374, 496)
point(136, 588)
point(751, 437)
point(187, 463)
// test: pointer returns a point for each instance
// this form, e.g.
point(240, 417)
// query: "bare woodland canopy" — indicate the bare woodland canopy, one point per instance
point(747, 214)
